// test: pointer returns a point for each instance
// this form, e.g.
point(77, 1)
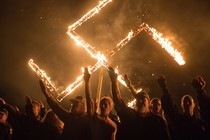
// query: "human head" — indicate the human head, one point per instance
point(78, 105)
point(106, 105)
point(36, 108)
point(3, 115)
point(187, 104)
point(155, 105)
point(142, 102)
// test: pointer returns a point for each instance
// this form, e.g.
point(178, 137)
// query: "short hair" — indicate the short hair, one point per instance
point(142, 94)
point(36, 103)
point(154, 99)
point(109, 99)
point(184, 97)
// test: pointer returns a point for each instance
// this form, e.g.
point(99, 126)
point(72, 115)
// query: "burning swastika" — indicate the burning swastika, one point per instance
point(101, 59)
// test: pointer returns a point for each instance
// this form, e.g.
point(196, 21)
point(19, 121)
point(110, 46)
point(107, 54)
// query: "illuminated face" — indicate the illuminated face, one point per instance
point(3, 118)
point(36, 109)
point(105, 106)
point(188, 104)
point(142, 103)
point(78, 108)
point(156, 106)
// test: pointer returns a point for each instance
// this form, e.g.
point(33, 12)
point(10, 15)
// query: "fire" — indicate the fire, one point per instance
point(166, 44)
point(88, 15)
point(100, 57)
point(77, 82)
point(43, 76)
point(138, 90)
point(102, 60)
point(132, 103)
point(124, 41)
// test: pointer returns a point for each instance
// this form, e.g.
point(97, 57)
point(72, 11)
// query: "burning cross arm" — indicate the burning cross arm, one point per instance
point(102, 61)
point(43, 76)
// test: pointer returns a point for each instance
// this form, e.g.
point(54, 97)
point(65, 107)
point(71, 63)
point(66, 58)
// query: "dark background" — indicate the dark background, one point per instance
point(37, 29)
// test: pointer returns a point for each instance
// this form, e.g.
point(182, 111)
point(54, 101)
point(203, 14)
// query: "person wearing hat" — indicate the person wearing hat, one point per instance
point(138, 123)
point(25, 125)
point(101, 125)
point(5, 128)
point(75, 121)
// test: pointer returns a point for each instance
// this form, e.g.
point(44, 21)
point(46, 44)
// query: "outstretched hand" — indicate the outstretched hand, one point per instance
point(198, 83)
point(112, 74)
point(161, 80)
point(127, 81)
point(86, 75)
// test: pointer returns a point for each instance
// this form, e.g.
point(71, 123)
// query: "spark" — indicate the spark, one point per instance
point(102, 60)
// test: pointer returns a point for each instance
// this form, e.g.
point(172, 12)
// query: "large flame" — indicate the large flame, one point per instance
point(88, 15)
point(102, 60)
point(166, 44)
point(77, 82)
point(43, 76)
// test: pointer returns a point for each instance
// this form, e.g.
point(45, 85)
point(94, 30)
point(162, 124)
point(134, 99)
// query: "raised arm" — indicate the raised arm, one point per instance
point(167, 101)
point(199, 84)
point(129, 85)
point(119, 104)
point(11, 109)
point(89, 101)
point(57, 109)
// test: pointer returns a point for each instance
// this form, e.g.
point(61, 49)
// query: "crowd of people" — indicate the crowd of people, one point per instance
point(156, 118)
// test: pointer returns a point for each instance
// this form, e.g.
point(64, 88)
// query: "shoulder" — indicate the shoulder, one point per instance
point(156, 118)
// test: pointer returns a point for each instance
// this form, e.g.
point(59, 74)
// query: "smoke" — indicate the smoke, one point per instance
point(38, 30)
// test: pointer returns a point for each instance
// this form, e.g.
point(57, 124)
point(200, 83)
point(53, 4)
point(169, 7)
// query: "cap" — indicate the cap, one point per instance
point(78, 99)
point(36, 103)
point(142, 94)
point(4, 111)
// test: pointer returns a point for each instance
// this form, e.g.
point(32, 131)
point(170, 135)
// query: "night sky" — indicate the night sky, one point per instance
point(37, 30)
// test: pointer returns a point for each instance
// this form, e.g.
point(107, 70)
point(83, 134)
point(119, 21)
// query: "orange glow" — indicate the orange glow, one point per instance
point(102, 60)
point(88, 15)
point(166, 44)
point(43, 76)
point(132, 103)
